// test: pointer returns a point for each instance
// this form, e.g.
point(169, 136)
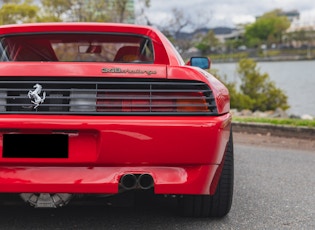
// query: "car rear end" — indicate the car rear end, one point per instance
point(107, 127)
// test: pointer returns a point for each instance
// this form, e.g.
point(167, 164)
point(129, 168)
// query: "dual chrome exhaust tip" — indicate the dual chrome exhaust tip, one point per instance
point(136, 181)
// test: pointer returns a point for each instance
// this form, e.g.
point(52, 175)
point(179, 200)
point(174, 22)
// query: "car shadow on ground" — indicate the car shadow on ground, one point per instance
point(96, 213)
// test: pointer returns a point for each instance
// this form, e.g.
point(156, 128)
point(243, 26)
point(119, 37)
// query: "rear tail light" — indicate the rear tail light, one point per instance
point(146, 102)
point(107, 96)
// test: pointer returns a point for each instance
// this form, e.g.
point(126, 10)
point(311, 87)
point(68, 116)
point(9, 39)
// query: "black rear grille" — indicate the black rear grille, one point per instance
point(98, 96)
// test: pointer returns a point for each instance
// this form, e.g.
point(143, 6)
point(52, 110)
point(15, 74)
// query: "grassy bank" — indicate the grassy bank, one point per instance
point(277, 121)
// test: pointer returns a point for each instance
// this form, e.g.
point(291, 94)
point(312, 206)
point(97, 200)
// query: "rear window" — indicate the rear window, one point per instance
point(77, 47)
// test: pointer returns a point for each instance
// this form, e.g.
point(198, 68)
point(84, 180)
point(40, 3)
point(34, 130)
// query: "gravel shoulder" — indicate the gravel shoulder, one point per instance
point(274, 141)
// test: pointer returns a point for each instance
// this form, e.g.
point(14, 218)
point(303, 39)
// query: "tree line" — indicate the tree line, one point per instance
point(24, 11)
point(268, 29)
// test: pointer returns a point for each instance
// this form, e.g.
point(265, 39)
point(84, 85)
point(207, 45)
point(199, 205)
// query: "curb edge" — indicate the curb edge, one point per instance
point(274, 130)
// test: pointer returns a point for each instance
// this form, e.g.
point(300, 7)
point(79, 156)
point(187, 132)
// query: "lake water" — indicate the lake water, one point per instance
point(295, 78)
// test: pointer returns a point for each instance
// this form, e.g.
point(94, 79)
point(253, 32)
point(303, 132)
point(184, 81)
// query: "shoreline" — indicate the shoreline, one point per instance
point(264, 59)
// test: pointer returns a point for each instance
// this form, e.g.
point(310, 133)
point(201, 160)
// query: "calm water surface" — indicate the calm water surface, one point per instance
point(295, 78)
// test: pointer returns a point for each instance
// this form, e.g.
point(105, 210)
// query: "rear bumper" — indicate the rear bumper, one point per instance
point(167, 180)
point(181, 154)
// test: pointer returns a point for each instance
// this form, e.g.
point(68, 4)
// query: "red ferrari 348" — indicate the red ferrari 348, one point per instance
point(104, 108)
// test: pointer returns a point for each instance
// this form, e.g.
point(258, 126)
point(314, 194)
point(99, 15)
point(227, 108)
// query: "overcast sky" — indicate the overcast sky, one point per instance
point(227, 12)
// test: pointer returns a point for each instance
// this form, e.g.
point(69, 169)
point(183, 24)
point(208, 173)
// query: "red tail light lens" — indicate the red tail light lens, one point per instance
point(146, 102)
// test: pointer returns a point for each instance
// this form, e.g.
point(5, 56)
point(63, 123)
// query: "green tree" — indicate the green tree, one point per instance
point(87, 11)
point(74, 10)
point(263, 93)
point(54, 10)
point(267, 29)
point(16, 11)
point(121, 14)
point(256, 90)
point(238, 100)
point(207, 43)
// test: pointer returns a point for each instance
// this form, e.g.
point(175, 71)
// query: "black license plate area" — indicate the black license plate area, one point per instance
point(35, 146)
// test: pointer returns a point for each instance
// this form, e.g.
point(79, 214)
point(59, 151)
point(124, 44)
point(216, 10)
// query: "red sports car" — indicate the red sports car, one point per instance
point(104, 108)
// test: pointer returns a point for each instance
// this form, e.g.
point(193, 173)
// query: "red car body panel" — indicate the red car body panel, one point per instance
point(181, 153)
point(110, 148)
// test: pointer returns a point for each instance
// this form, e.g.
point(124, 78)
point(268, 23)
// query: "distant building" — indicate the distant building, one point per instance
point(226, 33)
point(301, 26)
point(292, 15)
point(300, 34)
point(222, 33)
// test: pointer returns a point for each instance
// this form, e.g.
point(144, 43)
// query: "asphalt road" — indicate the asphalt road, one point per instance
point(274, 189)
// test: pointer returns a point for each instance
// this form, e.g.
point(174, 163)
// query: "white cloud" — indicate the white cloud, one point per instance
point(243, 19)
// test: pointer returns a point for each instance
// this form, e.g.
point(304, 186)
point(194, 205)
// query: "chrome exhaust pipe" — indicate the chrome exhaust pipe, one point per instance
point(128, 181)
point(145, 181)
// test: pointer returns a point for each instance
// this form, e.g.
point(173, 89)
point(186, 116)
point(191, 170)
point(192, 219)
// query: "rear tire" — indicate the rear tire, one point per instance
point(219, 204)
